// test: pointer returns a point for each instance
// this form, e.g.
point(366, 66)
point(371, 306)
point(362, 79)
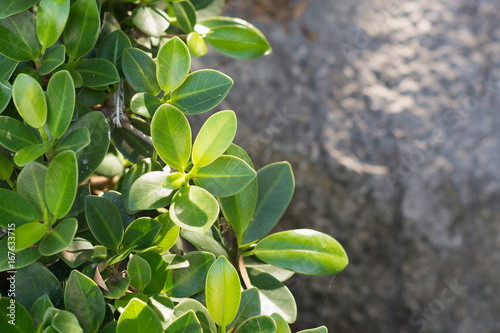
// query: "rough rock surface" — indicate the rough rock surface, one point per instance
point(389, 114)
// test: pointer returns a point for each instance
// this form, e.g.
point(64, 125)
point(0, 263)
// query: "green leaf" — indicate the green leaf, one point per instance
point(18, 39)
point(111, 48)
point(117, 200)
point(185, 323)
point(110, 327)
point(11, 7)
point(133, 146)
point(174, 261)
point(185, 282)
point(281, 324)
point(60, 102)
point(223, 292)
point(28, 234)
point(15, 209)
point(148, 192)
point(31, 153)
point(138, 317)
point(139, 271)
point(207, 24)
point(321, 329)
point(276, 185)
point(150, 20)
point(84, 299)
point(6, 168)
point(274, 295)
point(249, 307)
point(21, 259)
point(193, 208)
point(137, 170)
point(163, 307)
point(5, 94)
point(171, 136)
point(51, 20)
point(116, 287)
point(21, 317)
point(29, 99)
point(237, 151)
point(61, 183)
point(279, 273)
point(196, 44)
point(140, 71)
point(39, 308)
point(97, 72)
point(82, 28)
point(104, 221)
point(225, 176)
point(158, 272)
point(186, 15)
point(15, 135)
point(173, 64)
point(142, 233)
point(261, 324)
point(122, 302)
point(36, 280)
point(303, 251)
point(168, 234)
point(65, 321)
point(208, 8)
point(214, 138)
point(47, 319)
point(145, 104)
point(75, 141)
point(7, 67)
point(31, 185)
point(60, 238)
point(238, 42)
point(90, 97)
point(53, 59)
point(204, 241)
point(206, 322)
point(120, 256)
point(77, 253)
point(201, 91)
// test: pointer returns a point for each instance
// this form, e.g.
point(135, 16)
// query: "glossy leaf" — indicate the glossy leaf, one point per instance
point(321, 329)
point(30, 184)
point(150, 20)
point(84, 299)
point(249, 307)
point(185, 323)
point(31, 153)
point(204, 241)
point(104, 221)
point(75, 141)
point(5, 94)
point(28, 234)
point(111, 48)
point(173, 64)
point(196, 44)
point(171, 136)
point(11, 7)
point(141, 233)
point(275, 185)
point(214, 138)
point(207, 24)
point(15, 209)
point(185, 282)
point(140, 71)
point(6, 168)
point(53, 59)
point(186, 15)
point(120, 256)
point(97, 72)
point(18, 39)
point(168, 234)
point(201, 91)
point(261, 324)
point(39, 308)
point(133, 146)
point(59, 238)
point(90, 97)
point(193, 208)
point(145, 104)
point(122, 302)
point(61, 182)
point(65, 321)
point(139, 271)
point(82, 28)
point(7, 67)
point(79, 251)
point(223, 292)
point(60, 102)
point(30, 101)
point(138, 317)
point(163, 307)
point(206, 322)
point(148, 192)
point(117, 287)
point(15, 135)
point(225, 176)
point(137, 170)
point(22, 318)
point(158, 272)
point(51, 20)
point(279, 273)
point(238, 42)
point(117, 200)
point(22, 258)
point(281, 324)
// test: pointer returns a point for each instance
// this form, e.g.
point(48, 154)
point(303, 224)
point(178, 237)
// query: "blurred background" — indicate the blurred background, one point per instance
point(388, 113)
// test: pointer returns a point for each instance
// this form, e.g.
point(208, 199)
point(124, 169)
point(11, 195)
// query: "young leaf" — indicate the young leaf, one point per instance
point(15, 209)
point(18, 39)
point(23, 321)
point(61, 182)
point(214, 138)
point(173, 64)
point(104, 221)
point(29, 99)
point(65, 321)
point(60, 102)
point(249, 307)
point(225, 176)
point(152, 21)
point(111, 48)
point(39, 308)
point(145, 104)
point(186, 15)
point(53, 59)
point(97, 72)
point(281, 324)
point(194, 208)
point(237, 42)
point(51, 20)
point(141, 233)
point(223, 292)
point(139, 271)
point(84, 299)
point(75, 141)
point(196, 44)
point(171, 136)
point(28, 234)
point(5, 94)
point(133, 146)
point(261, 324)
point(185, 323)
point(168, 234)
point(138, 317)
point(15, 135)
point(11, 7)
point(59, 238)
point(201, 91)
point(82, 28)
point(31, 153)
point(148, 192)
point(140, 71)
point(276, 185)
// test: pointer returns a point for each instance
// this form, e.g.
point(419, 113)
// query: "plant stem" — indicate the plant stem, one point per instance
point(11, 184)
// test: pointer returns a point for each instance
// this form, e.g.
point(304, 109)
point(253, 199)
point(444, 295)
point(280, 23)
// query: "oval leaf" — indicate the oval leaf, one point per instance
point(145, 104)
point(261, 324)
point(206, 322)
point(173, 64)
point(139, 272)
point(15, 135)
point(141, 233)
point(111, 48)
point(249, 307)
point(15, 209)
point(53, 59)
point(21, 317)
point(194, 208)
point(237, 42)
point(140, 71)
point(51, 20)
point(168, 234)
point(60, 102)
point(281, 324)
point(31, 153)
point(185, 323)
point(28, 234)
point(97, 72)
point(65, 321)
point(186, 15)
point(60, 238)
point(11, 7)
point(104, 221)
point(148, 192)
point(82, 28)
point(61, 183)
point(152, 21)
point(29, 99)
point(18, 39)
point(138, 317)
point(75, 141)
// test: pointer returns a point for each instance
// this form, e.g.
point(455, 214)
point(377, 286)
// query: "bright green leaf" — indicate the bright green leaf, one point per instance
point(185, 323)
point(51, 20)
point(11, 7)
point(261, 324)
point(139, 272)
point(31, 153)
point(168, 234)
point(59, 238)
point(194, 208)
point(61, 182)
point(145, 104)
point(138, 317)
point(148, 192)
point(15, 135)
point(186, 15)
point(111, 48)
point(29, 99)
point(137, 170)
point(238, 42)
point(82, 28)
point(28, 234)
point(97, 72)
point(15, 209)
point(22, 258)
point(140, 71)
point(18, 39)
point(53, 59)
point(281, 324)
point(5, 94)
point(151, 20)
point(158, 272)
point(173, 64)
point(206, 322)
point(60, 102)
point(196, 44)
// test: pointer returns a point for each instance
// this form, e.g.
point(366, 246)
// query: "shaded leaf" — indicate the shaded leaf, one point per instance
point(82, 28)
point(104, 221)
point(249, 307)
point(140, 71)
point(23, 322)
point(15, 209)
point(5, 94)
point(18, 39)
point(206, 322)
point(139, 272)
point(11, 7)
point(185, 323)
point(61, 182)
point(141, 233)
point(53, 59)
point(111, 48)
point(97, 72)
point(31, 185)
point(186, 15)
point(59, 238)
point(15, 135)
point(75, 141)
point(65, 321)
point(60, 102)
point(79, 251)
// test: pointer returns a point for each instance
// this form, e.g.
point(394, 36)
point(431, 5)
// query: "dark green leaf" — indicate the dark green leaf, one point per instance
point(123, 301)
point(18, 39)
point(59, 238)
point(31, 153)
point(144, 104)
point(21, 259)
point(60, 102)
point(117, 286)
point(11, 7)
point(261, 324)
point(193, 208)
point(6, 169)
point(185, 323)
point(15, 209)
point(152, 21)
point(51, 20)
point(117, 200)
point(158, 272)
point(77, 78)
point(77, 253)
point(206, 322)
point(97, 72)
point(29, 99)
point(61, 182)
point(279, 273)
point(175, 261)
point(140, 71)
point(238, 42)
point(90, 97)
point(237, 151)
point(15, 135)
point(53, 59)
point(138, 317)
point(75, 141)
point(173, 64)
point(139, 271)
point(112, 47)
point(249, 307)
point(104, 221)
point(120, 256)
point(281, 324)
point(21, 317)
point(141, 233)
point(148, 192)
point(5, 94)
point(186, 15)
point(82, 28)
point(133, 146)
point(137, 170)
point(39, 308)
point(7, 67)
point(204, 241)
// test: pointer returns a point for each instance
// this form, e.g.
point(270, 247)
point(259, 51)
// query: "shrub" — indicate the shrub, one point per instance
point(179, 243)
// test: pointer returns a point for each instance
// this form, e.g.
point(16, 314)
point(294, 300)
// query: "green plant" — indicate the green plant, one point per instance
point(78, 98)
